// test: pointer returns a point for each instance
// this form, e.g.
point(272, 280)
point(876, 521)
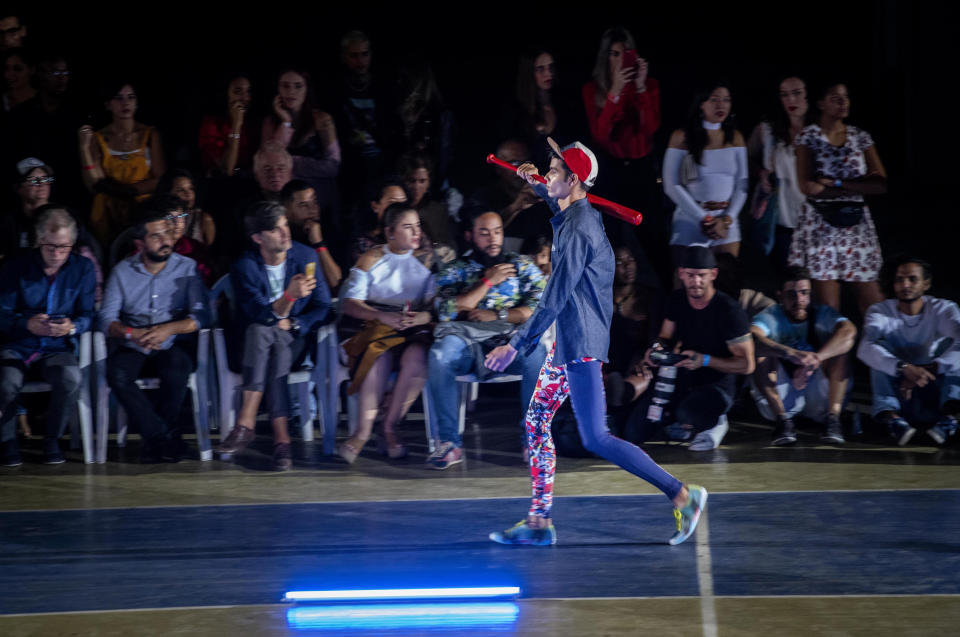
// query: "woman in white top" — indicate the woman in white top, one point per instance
point(705, 174)
point(391, 289)
point(774, 159)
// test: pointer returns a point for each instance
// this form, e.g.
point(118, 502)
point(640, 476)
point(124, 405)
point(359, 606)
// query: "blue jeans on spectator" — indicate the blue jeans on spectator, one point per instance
point(925, 403)
point(451, 357)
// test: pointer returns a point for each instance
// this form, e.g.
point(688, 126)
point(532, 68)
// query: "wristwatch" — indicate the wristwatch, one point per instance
point(900, 366)
point(502, 314)
point(73, 331)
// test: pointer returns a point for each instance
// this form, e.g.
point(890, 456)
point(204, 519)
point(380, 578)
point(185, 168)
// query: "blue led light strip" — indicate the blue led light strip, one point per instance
point(484, 592)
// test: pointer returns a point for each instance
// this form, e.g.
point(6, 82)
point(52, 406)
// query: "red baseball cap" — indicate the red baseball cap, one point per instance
point(579, 159)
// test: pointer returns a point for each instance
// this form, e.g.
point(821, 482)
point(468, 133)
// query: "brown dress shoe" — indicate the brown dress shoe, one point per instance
point(282, 459)
point(239, 438)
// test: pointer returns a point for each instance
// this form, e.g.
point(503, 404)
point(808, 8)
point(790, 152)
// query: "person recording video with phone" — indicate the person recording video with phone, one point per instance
point(712, 336)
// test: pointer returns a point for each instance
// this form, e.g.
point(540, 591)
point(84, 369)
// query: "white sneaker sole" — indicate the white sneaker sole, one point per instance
point(907, 435)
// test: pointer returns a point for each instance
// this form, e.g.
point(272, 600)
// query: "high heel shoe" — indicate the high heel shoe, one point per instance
point(394, 448)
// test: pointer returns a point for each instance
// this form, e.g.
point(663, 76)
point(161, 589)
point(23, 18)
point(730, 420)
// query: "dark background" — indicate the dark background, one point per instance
point(898, 58)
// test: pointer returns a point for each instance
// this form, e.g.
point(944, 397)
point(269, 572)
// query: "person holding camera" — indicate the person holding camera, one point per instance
point(710, 336)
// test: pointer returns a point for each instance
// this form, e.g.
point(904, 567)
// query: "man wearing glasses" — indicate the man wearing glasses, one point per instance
point(33, 181)
point(46, 299)
point(152, 298)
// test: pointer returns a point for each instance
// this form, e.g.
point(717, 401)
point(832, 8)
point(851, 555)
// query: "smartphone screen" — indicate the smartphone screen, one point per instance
point(311, 270)
point(629, 58)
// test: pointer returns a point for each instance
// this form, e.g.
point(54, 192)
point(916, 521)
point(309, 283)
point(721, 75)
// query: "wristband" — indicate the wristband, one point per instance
point(234, 136)
point(486, 282)
point(838, 183)
point(89, 167)
point(288, 298)
point(319, 248)
point(706, 360)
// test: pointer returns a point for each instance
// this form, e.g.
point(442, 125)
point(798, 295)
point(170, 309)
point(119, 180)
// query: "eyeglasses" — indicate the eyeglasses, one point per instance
point(57, 73)
point(182, 215)
point(53, 247)
point(38, 181)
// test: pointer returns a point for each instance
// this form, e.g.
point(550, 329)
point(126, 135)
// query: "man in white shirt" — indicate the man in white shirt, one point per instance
point(912, 345)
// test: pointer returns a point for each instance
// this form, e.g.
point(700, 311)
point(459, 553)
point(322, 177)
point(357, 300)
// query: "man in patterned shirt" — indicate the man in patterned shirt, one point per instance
point(491, 292)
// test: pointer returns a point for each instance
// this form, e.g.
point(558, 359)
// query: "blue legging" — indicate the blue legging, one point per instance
point(583, 381)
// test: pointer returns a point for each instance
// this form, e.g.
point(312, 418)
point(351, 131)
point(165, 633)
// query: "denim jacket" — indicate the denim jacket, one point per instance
point(579, 294)
point(25, 292)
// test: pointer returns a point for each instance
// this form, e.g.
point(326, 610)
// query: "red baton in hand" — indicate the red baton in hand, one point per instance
point(603, 205)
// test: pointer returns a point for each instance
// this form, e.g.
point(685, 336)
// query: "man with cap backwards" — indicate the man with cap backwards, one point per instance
point(579, 297)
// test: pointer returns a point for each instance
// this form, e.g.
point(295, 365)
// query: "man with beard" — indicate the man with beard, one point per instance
point(712, 333)
point(488, 293)
point(912, 345)
point(153, 298)
point(306, 226)
point(802, 365)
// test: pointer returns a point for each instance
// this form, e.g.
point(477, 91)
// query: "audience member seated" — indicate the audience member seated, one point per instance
point(46, 126)
point(705, 174)
point(225, 140)
point(121, 163)
point(417, 174)
point(13, 32)
point(153, 298)
point(524, 214)
point(184, 245)
point(199, 225)
point(837, 164)
point(308, 134)
point(622, 104)
point(637, 315)
point(368, 224)
point(538, 249)
point(390, 288)
point(46, 298)
point(303, 217)
point(912, 345)
point(273, 169)
point(777, 200)
point(17, 78)
point(424, 126)
point(481, 298)
point(713, 334)
point(363, 108)
point(281, 302)
point(802, 363)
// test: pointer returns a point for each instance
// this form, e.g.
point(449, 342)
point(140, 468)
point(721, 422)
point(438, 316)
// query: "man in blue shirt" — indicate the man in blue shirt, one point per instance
point(483, 298)
point(802, 364)
point(579, 297)
point(280, 301)
point(152, 298)
point(46, 298)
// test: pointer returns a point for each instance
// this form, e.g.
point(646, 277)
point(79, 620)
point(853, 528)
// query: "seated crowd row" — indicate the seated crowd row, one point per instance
point(430, 323)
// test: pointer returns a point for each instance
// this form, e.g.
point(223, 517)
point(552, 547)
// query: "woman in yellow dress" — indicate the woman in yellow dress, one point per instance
point(122, 163)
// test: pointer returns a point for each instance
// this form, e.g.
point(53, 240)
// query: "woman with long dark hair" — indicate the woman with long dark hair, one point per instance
point(837, 164)
point(197, 224)
point(705, 174)
point(308, 134)
point(778, 200)
point(226, 140)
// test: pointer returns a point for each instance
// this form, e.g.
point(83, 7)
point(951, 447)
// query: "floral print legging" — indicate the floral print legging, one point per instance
point(583, 382)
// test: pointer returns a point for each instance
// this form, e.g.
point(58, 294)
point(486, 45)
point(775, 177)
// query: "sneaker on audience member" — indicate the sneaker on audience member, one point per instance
point(901, 430)
point(711, 438)
point(445, 455)
point(833, 430)
point(785, 433)
point(282, 458)
point(523, 534)
point(10, 454)
point(944, 430)
point(51, 452)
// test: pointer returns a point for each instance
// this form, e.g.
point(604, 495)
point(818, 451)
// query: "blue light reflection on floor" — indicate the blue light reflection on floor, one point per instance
point(403, 616)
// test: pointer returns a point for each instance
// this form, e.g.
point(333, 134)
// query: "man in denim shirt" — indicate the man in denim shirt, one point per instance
point(46, 298)
point(500, 290)
point(152, 298)
point(579, 297)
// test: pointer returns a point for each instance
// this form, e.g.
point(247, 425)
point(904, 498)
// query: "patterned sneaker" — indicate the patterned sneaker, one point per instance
point(944, 430)
point(445, 455)
point(901, 430)
point(688, 516)
point(833, 431)
point(520, 533)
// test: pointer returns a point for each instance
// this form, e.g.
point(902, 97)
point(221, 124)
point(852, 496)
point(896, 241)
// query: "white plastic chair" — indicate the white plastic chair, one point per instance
point(197, 383)
point(323, 368)
point(84, 411)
